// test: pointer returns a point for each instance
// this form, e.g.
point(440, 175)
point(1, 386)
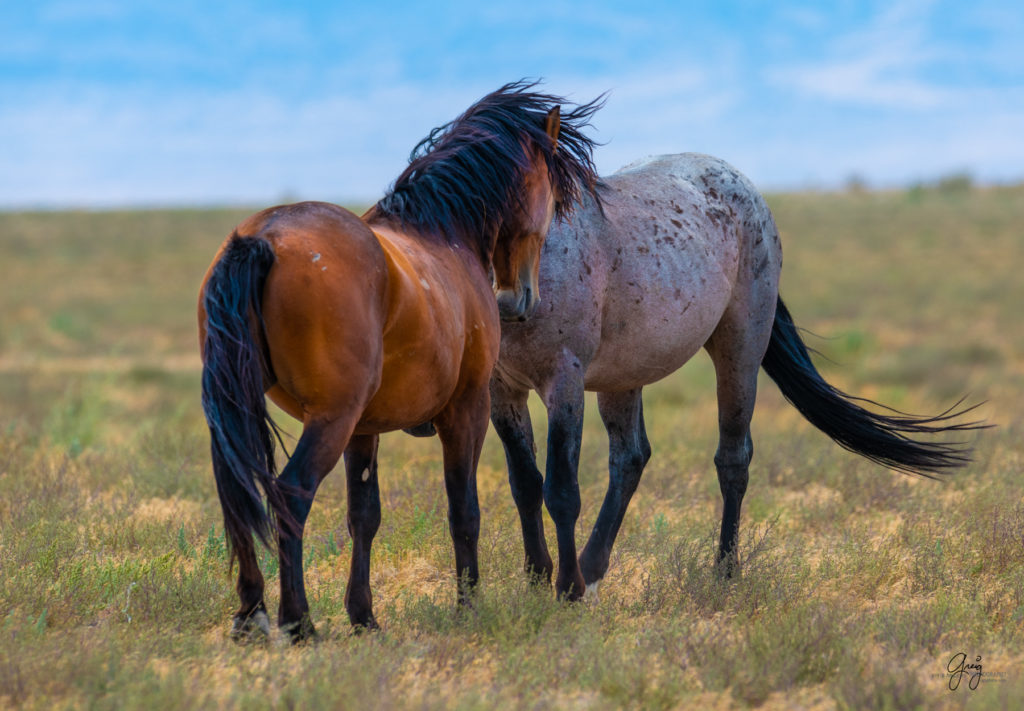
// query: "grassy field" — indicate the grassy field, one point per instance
point(859, 585)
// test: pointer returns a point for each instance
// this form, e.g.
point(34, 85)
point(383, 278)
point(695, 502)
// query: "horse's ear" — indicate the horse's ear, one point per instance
point(552, 122)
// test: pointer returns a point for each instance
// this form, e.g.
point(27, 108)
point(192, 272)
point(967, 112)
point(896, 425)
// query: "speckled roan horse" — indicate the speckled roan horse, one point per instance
point(684, 255)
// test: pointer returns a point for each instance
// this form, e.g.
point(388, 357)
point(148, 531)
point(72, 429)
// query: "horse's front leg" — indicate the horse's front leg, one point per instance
point(564, 400)
point(511, 419)
point(316, 453)
point(628, 452)
point(461, 428)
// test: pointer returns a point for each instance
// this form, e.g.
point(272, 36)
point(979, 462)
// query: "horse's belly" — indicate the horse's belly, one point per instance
point(643, 350)
point(421, 369)
point(650, 328)
point(410, 397)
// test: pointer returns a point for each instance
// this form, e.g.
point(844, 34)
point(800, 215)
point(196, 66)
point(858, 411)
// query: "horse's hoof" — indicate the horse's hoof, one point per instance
point(254, 628)
point(591, 593)
point(570, 596)
point(538, 576)
point(366, 627)
point(574, 593)
point(727, 569)
point(570, 587)
point(301, 631)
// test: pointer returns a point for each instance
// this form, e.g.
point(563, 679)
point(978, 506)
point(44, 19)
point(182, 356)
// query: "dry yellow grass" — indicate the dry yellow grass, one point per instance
point(859, 584)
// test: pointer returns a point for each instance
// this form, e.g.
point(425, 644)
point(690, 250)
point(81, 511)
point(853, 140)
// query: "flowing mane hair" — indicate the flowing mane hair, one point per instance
point(464, 179)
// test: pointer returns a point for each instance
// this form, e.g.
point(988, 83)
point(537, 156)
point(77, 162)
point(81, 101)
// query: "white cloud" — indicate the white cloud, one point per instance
point(97, 146)
point(102, 148)
point(877, 66)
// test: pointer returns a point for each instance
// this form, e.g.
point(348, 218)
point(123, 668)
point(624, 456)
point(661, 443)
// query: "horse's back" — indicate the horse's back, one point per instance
point(720, 212)
point(711, 183)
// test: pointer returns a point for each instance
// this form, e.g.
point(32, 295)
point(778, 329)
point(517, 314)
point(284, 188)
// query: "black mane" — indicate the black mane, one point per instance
point(464, 179)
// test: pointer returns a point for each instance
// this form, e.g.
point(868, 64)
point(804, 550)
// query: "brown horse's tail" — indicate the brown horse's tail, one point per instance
point(242, 433)
point(889, 440)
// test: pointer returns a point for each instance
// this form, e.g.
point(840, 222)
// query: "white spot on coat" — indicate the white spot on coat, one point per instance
point(316, 257)
point(366, 474)
point(425, 284)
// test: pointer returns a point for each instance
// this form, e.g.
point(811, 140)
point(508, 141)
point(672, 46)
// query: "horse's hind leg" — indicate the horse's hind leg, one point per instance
point(363, 522)
point(736, 348)
point(316, 453)
point(511, 419)
point(628, 452)
point(250, 623)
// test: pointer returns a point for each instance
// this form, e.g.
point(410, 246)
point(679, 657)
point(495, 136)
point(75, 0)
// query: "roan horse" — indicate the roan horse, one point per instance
point(683, 254)
point(358, 326)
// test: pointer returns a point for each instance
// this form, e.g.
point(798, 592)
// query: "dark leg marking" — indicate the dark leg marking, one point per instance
point(511, 419)
point(363, 522)
point(250, 621)
point(315, 455)
point(628, 453)
point(732, 460)
point(736, 349)
point(561, 487)
point(462, 428)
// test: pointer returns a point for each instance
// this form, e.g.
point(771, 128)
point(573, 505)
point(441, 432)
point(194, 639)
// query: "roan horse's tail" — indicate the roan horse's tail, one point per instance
point(234, 366)
point(885, 439)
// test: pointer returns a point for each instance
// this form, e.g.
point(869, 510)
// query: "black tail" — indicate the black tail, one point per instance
point(241, 431)
point(885, 439)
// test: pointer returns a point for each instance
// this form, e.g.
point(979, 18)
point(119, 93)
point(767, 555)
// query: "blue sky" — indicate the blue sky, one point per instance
point(117, 102)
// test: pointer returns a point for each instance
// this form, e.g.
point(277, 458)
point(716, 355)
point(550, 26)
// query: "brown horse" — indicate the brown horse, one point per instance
point(358, 326)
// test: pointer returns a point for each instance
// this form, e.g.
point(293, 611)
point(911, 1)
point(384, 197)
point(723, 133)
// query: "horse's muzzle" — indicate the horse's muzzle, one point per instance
point(516, 307)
